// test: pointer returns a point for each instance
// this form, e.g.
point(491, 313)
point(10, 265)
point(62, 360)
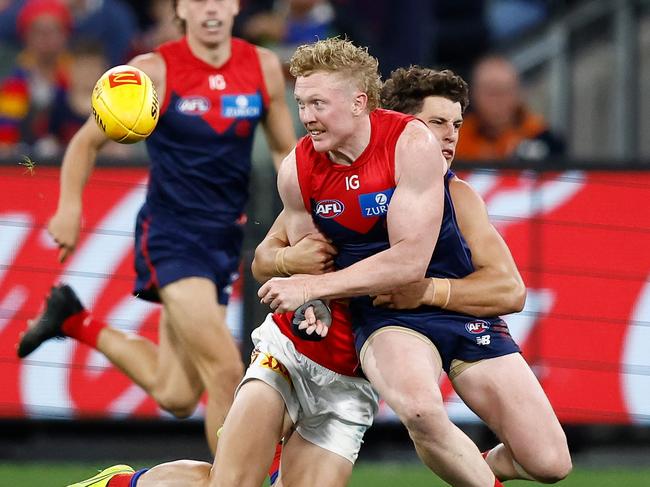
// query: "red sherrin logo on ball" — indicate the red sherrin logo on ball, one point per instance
point(124, 78)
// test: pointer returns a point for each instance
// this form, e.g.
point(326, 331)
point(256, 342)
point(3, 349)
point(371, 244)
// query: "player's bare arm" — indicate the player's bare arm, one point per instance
point(154, 66)
point(278, 125)
point(494, 288)
point(78, 162)
point(274, 257)
point(415, 209)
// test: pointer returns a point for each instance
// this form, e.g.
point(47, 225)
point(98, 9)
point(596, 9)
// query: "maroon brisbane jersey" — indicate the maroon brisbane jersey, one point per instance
point(349, 205)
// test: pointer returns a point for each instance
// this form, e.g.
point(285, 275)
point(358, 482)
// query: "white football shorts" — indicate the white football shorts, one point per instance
point(330, 410)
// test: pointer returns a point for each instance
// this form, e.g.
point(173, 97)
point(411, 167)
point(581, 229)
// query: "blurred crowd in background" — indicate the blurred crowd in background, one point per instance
point(53, 51)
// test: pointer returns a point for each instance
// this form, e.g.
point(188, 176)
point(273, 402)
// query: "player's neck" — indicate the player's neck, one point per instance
point(351, 148)
point(215, 55)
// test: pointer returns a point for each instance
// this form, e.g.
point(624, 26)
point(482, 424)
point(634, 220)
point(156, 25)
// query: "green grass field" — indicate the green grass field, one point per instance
point(365, 475)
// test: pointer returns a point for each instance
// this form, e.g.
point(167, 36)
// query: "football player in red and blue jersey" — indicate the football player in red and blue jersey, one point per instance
point(364, 178)
point(214, 90)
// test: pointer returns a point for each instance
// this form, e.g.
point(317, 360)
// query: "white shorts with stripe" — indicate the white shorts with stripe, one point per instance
point(330, 410)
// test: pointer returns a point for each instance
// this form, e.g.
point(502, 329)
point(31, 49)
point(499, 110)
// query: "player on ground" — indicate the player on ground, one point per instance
point(214, 89)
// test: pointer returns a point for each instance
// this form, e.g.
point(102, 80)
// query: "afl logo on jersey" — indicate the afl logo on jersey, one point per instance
point(329, 208)
point(477, 327)
point(193, 105)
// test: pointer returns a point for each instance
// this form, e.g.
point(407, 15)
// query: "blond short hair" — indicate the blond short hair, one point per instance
point(336, 55)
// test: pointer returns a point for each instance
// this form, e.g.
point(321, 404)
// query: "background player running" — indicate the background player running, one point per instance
point(189, 231)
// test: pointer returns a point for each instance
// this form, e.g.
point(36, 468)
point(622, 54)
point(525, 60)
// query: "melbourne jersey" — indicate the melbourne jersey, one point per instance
point(201, 149)
point(349, 205)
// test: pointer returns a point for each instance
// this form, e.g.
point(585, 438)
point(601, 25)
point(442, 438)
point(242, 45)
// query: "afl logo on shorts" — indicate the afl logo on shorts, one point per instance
point(329, 208)
point(193, 105)
point(477, 327)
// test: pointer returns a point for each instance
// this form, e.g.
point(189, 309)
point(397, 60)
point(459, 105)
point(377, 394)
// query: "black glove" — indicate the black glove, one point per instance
point(322, 312)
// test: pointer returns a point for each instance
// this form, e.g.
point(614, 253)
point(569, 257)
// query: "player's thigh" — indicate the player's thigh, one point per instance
point(505, 393)
point(178, 473)
point(177, 379)
point(199, 322)
point(254, 425)
point(304, 463)
point(404, 367)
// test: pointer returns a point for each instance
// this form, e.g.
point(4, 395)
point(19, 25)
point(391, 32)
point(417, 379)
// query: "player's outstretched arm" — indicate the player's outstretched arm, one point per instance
point(78, 161)
point(278, 125)
point(494, 288)
point(274, 257)
point(413, 220)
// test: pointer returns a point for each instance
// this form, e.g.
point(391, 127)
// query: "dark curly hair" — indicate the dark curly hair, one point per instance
point(406, 88)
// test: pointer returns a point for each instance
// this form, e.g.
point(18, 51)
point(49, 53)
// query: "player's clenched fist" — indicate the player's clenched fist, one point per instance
point(314, 254)
point(285, 294)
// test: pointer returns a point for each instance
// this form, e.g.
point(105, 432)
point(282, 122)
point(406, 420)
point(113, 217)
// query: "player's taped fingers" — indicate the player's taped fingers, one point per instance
point(320, 309)
point(322, 313)
point(310, 315)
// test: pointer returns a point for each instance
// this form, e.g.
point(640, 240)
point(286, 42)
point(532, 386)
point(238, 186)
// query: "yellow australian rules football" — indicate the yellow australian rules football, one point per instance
point(125, 104)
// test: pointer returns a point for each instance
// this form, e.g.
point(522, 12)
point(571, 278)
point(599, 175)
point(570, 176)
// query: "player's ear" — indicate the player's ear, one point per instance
point(360, 103)
point(181, 10)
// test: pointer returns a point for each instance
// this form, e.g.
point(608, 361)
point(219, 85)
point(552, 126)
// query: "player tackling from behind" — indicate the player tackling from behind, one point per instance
point(189, 231)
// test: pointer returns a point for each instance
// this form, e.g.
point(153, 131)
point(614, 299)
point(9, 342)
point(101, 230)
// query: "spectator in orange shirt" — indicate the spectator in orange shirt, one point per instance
point(501, 126)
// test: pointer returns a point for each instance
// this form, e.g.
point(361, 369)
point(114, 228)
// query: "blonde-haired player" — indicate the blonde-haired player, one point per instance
point(213, 91)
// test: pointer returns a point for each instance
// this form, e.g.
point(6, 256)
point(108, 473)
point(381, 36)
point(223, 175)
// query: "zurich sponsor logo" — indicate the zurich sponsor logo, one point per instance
point(193, 105)
point(477, 327)
point(241, 106)
point(375, 204)
point(329, 208)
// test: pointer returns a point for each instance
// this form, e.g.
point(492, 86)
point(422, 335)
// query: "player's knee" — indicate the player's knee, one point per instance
point(423, 418)
point(178, 405)
point(551, 466)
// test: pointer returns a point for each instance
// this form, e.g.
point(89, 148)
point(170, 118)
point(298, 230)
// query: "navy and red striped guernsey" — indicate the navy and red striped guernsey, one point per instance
point(340, 216)
point(349, 205)
point(201, 149)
